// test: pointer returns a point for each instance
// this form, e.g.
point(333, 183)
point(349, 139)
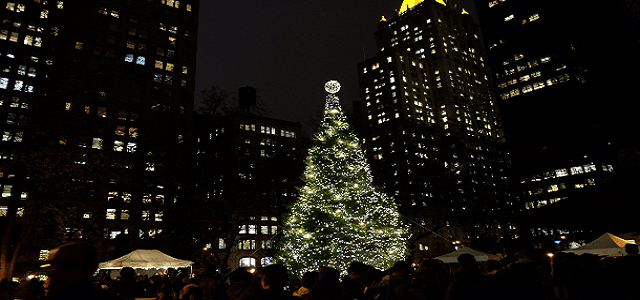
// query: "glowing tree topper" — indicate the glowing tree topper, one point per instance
point(340, 216)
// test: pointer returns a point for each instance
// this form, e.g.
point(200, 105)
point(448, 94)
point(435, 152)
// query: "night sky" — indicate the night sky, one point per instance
point(288, 49)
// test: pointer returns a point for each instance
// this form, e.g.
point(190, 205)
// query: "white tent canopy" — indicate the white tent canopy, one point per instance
point(452, 257)
point(143, 258)
point(606, 245)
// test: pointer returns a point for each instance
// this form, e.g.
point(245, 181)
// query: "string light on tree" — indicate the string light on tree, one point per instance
point(340, 216)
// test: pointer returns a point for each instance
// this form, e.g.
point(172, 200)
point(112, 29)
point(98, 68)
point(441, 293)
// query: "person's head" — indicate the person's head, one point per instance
point(357, 270)
point(241, 275)
point(274, 277)
point(308, 279)
point(401, 268)
point(71, 265)
point(631, 248)
point(329, 276)
point(466, 260)
point(127, 273)
point(191, 292)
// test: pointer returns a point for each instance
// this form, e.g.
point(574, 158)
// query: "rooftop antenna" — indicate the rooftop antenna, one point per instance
point(364, 53)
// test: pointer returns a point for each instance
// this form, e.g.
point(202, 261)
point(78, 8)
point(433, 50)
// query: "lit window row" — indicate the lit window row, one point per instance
point(28, 40)
point(495, 2)
point(289, 134)
point(535, 86)
point(175, 4)
point(18, 85)
point(247, 127)
point(120, 146)
point(5, 209)
point(12, 136)
point(253, 229)
point(267, 130)
point(576, 170)
point(112, 214)
point(107, 12)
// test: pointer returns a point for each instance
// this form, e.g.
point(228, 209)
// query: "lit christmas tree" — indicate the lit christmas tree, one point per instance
point(340, 216)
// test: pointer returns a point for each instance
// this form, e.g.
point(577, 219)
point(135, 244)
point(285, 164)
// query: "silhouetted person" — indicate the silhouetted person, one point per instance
point(398, 285)
point(307, 282)
point(127, 287)
point(432, 279)
point(242, 286)
point(354, 283)
point(190, 292)
point(327, 286)
point(274, 278)
point(70, 269)
point(466, 283)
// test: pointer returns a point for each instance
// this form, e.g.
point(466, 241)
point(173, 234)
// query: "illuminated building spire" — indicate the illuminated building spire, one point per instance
point(409, 4)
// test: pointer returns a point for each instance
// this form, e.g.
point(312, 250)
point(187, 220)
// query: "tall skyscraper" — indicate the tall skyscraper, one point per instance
point(100, 95)
point(430, 124)
point(564, 72)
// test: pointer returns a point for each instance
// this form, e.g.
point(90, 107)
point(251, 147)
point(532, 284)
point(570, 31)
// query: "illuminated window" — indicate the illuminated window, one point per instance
point(124, 214)
point(17, 86)
point(111, 214)
point(132, 147)
point(265, 261)
point(534, 17)
point(247, 245)
point(140, 60)
point(538, 85)
point(525, 78)
point(44, 255)
point(246, 262)
point(120, 130)
point(118, 146)
point(44, 14)
point(158, 216)
point(562, 172)
point(145, 215)
point(509, 18)
point(96, 143)
point(527, 88)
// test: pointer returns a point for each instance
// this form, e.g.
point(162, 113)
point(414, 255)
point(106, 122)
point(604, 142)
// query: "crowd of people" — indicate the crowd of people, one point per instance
point(532, 276)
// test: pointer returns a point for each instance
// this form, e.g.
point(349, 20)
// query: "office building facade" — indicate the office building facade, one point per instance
point(248, 170)
point(564, 74)
point(430, 123)
point(100, 93)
